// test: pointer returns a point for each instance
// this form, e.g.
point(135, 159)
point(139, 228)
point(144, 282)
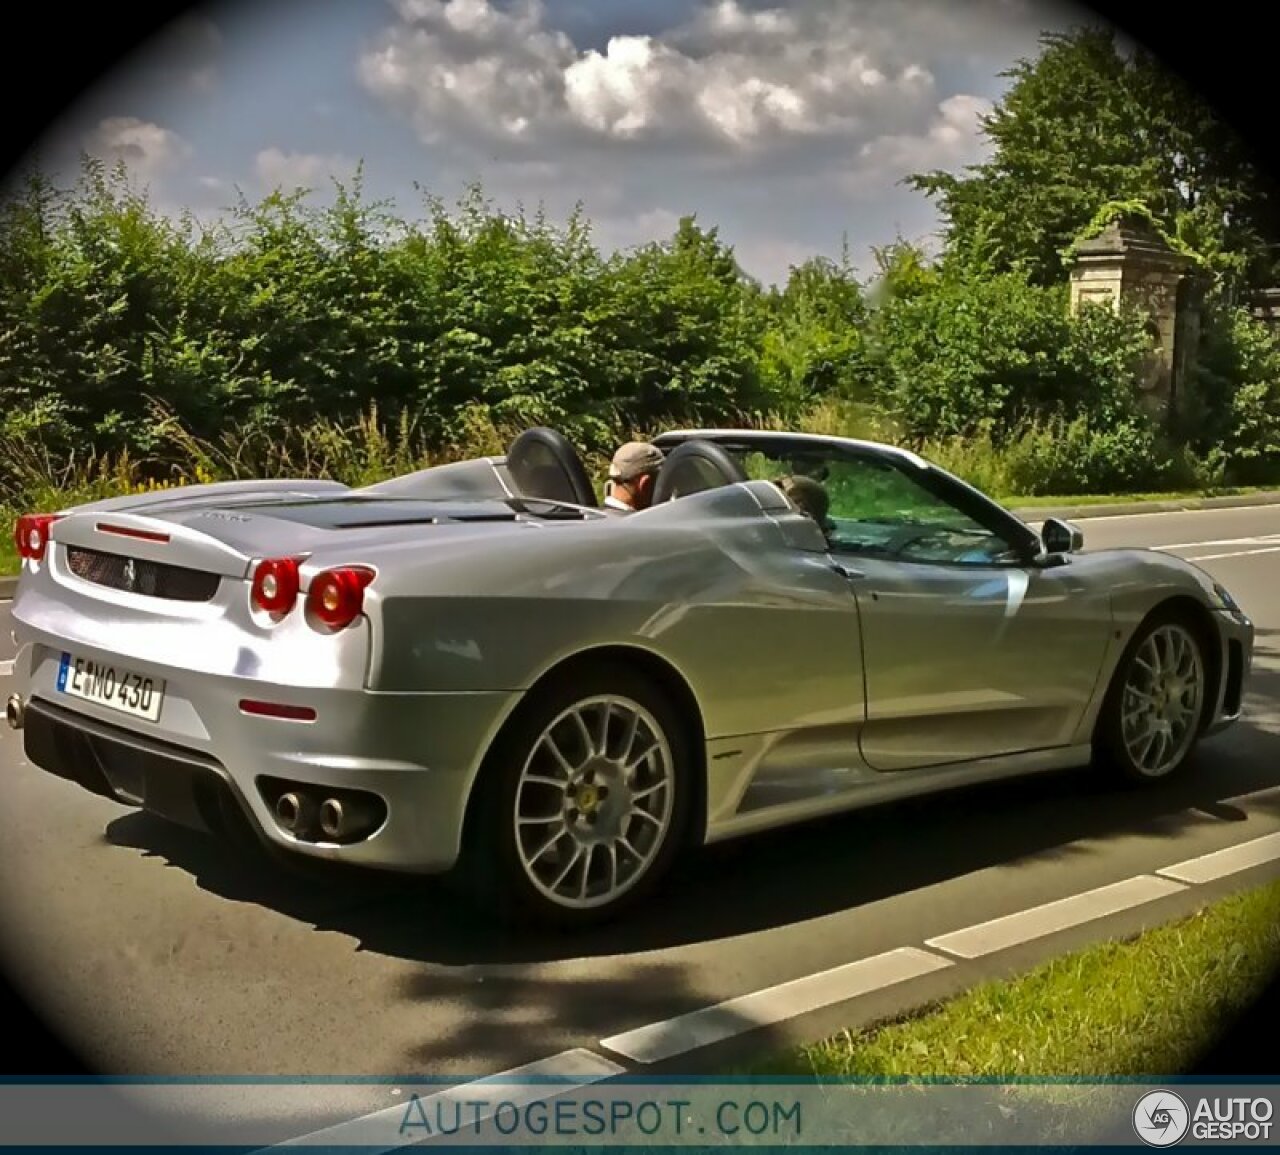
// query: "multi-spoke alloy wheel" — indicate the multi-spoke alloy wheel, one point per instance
point(1163, 698)
point(1152, 719)
point(594, 801)
point(584, 799)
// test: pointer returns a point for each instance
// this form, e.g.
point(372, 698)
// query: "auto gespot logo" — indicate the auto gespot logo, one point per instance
point(1162, 1118)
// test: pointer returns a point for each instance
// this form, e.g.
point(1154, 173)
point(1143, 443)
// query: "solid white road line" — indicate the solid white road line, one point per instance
point(1219, 864)
point(1175, 512)
point(1254, 539)
point(1014, 929)
point(570, 1070)
point(664, 1040)
point(6, 667)
point(1234, 553)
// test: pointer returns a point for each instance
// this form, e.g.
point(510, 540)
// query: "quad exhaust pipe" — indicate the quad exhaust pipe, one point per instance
point(296, 812)
point(15, 712)
point(338, 819)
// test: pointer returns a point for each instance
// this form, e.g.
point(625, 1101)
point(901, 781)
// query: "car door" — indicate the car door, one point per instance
point(970, 651)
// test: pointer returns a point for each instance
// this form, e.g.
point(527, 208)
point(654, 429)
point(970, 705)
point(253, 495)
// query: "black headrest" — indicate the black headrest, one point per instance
point(694, 466)
point(543, 463)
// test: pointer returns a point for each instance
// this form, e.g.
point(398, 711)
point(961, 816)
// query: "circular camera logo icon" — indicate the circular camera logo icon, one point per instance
point(1161, 1118)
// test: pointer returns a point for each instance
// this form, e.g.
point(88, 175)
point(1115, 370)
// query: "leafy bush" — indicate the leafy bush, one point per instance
point(347, 342)
point(1233, 408)
point(996, 353)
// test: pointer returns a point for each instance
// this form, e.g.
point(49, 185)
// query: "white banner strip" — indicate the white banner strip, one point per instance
point(572, 1101)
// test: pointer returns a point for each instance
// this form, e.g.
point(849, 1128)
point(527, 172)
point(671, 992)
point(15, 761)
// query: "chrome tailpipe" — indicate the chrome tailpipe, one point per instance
point(355, 817)
point(15, 712)
point(333, 818)
point(295, 812)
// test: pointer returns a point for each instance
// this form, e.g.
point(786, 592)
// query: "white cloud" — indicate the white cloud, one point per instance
point(730, 76)
point(276, 168)
point(789, 123)
point(148, 150)
point(463, 63)
point(952, 140)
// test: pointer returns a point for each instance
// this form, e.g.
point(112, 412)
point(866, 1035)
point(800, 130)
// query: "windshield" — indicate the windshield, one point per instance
point(872, 505)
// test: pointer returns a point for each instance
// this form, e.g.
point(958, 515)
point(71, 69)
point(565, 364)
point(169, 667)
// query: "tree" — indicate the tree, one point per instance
point(1084, 124)
point(813, 344)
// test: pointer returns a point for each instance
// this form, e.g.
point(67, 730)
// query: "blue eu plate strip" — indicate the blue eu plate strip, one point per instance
point(62, 672)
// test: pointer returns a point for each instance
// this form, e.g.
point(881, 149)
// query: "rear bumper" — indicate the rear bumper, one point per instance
point(413, 757)
point(177, 784)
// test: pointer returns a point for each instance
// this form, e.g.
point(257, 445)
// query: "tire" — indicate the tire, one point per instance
point(513, 867)
point(1138, 702)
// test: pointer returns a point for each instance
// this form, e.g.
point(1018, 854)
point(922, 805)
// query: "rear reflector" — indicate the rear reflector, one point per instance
point(127, 531)
point(277, 710)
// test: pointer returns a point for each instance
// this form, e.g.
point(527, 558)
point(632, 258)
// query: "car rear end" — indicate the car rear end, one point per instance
point(216, 666)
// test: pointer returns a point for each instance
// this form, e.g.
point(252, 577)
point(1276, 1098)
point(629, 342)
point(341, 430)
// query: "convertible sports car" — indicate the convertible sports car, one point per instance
point(476, 668)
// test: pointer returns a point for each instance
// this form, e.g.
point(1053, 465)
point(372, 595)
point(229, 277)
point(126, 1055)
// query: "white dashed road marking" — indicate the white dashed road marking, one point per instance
point(665, 1040)
point(1220, 864)
point(1234, 553)
point(6, 667)
point(1014, 929)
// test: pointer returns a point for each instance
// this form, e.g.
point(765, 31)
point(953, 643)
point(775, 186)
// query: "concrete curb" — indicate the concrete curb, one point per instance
point(1129, 508)
point(7, 587)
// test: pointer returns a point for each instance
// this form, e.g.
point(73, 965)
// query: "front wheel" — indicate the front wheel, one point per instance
point(1151, 720)
point(584, 800)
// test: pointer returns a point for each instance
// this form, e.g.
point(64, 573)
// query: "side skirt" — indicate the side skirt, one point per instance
point(891, 787)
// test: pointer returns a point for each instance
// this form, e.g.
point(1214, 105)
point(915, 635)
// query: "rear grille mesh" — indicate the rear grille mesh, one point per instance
point(152, 578)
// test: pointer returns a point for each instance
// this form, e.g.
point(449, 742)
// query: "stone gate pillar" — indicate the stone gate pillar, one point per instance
point(1130, 264)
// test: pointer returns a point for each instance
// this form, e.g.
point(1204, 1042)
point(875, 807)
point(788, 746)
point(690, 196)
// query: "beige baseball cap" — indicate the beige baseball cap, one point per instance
point(635, 459)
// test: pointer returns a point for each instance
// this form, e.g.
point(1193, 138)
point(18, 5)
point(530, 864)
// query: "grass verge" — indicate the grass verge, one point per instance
point(1137, 1007)
point(1041, 502)
point(35, 478)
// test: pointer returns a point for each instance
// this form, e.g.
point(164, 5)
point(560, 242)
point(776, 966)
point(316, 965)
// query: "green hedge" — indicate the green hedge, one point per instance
point(122, 332)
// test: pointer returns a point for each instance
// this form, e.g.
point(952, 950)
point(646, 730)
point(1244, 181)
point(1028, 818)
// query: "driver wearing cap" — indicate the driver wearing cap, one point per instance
point(632, 476)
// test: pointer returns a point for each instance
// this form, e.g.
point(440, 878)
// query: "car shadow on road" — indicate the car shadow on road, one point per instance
point(772, 880)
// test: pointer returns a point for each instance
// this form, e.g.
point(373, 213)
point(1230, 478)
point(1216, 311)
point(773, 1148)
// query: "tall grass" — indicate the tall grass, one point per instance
point(1062, 458)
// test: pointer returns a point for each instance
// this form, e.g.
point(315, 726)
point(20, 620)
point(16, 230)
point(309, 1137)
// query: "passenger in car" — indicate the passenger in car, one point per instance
point(810, 497)
point(632, 476)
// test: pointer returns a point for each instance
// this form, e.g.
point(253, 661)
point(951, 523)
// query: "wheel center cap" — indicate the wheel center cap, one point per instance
point(587, 798)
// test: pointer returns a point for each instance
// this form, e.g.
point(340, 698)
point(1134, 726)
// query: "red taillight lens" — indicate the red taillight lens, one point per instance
point(275, 585)
point(31, 534)
point(336, 596)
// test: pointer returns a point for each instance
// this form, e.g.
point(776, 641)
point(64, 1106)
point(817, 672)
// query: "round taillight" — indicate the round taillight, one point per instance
point(336, 596)
point(31, 534)
point(275, 585)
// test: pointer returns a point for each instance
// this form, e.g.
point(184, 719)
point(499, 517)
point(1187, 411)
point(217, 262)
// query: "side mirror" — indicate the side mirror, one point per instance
point(1061, 537)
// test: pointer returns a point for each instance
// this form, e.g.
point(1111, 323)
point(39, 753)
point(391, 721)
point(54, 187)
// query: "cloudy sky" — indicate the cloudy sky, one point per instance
point(787, 123)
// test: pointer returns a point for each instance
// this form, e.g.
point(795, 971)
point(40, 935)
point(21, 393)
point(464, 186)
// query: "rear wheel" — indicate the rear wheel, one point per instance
point(1152, 719)
point(584, 800)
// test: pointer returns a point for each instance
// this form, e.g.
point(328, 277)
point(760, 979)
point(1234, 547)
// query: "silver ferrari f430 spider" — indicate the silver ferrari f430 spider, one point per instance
point(476, 668)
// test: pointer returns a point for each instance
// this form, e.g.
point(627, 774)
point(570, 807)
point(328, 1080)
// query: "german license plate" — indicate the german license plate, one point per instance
point(138, 695)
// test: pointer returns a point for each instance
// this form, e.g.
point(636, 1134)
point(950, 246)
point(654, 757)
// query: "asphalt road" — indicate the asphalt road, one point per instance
point(154, 952)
